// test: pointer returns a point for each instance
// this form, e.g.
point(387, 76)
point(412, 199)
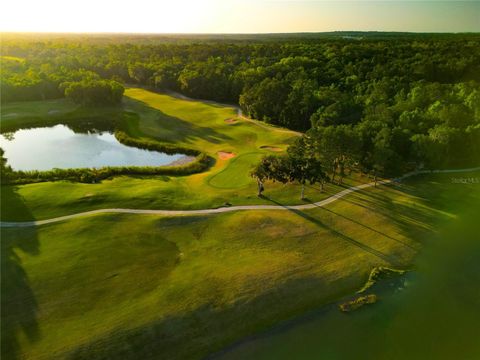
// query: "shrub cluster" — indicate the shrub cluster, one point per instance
point(87, 175)
point(94, 92)
point(379, 273)
point(148, 144)
point(358, 303)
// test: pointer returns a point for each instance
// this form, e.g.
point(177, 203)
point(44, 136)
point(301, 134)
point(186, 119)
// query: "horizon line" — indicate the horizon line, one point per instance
point(232, 33)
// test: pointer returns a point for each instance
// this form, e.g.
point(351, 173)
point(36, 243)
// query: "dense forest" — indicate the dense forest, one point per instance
point(383, 103)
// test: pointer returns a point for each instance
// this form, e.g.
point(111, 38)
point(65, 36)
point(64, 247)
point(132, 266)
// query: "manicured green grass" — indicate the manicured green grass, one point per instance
point(138, 286)
point(191, 124)
point(233, 175)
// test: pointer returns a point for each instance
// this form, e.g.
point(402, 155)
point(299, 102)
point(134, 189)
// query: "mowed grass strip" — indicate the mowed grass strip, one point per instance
point(138, 286)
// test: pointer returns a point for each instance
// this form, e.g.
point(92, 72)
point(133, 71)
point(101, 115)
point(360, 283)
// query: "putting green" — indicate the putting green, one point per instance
point(233, 175)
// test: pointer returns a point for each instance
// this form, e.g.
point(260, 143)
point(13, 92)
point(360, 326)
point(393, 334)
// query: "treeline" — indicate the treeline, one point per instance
point(289, 83)
point(23, 81)
point(400, 100)
point(92, 92)
point(432, 126)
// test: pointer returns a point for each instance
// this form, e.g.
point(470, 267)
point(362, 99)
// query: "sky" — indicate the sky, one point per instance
point(235, 16)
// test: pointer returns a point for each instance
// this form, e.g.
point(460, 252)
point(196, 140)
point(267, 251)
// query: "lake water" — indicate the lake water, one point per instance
point(60, 147)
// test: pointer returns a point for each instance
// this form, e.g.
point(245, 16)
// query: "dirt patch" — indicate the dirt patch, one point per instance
point(271, 148)
point(231, 121)
point(222, 155)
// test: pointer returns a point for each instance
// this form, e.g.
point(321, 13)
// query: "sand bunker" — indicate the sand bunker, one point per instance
point(225, 155)
point(231, 121)
point(271, 148)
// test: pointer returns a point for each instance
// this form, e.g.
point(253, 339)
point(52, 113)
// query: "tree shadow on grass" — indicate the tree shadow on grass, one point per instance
point(422, 205)
point(12, 205)
point(385, 257)
point(414, 222)
point(183, 131)
point(414, 208)
point(183, 97)
point(371, 229)
point(18, 304)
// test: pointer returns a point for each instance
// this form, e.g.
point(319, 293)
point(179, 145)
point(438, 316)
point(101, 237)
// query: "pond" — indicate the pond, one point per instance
point(60, 147)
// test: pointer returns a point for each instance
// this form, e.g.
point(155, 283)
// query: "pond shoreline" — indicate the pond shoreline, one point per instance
point(385, 287)
point(186, 161)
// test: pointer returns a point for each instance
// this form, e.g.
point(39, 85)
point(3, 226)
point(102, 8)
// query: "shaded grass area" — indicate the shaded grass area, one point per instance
point(19, 306)
point(184, 287)
point(27, 114)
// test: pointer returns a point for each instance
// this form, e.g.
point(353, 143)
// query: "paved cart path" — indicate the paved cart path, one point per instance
point(321, 203)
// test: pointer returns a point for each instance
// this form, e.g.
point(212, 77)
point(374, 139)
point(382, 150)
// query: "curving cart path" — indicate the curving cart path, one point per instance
point(321, 203)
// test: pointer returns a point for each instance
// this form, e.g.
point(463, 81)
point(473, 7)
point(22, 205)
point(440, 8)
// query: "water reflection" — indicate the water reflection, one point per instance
point(61, 147)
